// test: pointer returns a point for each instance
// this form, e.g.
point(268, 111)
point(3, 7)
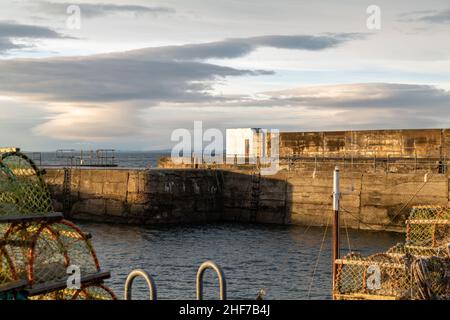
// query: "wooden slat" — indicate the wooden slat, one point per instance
point(363, 296)
point(429, 221)
point(62, 284)
point(16, 285)
point(70, 234)
point(22, 172)
point(49, 217)
point(369, 263)
point(9, 149)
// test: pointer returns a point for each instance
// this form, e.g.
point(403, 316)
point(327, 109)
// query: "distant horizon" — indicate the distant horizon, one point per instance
point(168, 151)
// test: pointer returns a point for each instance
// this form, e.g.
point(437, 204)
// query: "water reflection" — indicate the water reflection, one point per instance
point(279, 258)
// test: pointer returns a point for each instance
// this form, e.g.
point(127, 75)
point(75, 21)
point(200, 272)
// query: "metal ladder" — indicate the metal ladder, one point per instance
point(255, 196)
point(67, 191)
point(199, 282)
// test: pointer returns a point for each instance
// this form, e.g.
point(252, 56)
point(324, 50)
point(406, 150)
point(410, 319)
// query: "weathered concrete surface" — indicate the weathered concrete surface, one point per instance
point(379, 201)
point(423, 143)
point(138, 196)
point(370, 201)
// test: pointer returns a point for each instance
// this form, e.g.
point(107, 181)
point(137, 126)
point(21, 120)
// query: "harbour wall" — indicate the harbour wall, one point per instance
point(370, 200)
point(422, 143)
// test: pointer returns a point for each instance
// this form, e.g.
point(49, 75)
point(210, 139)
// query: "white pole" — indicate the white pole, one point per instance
point(336, 189)
point(336, 235)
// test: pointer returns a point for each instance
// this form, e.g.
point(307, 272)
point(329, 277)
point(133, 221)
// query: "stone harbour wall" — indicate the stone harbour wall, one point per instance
point(422, 143)
point(136, 196)
point(378, 200)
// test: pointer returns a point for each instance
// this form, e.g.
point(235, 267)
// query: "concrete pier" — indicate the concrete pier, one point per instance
point(378, 200)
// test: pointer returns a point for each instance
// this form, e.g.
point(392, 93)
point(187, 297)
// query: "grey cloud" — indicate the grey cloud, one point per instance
point(7, 45)
point(121, 85)
point(306, 42)
point(437, 17)
point(92, 10)
point(15, 30)
point(235, 48)
point(155, 75)
point(361, 96)
point(351, 106)
point(111, 79)
point(10, 31)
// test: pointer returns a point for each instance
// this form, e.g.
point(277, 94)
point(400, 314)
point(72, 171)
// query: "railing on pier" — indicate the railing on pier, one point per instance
point(90, 158)
point(74, 158)
point(390, 163)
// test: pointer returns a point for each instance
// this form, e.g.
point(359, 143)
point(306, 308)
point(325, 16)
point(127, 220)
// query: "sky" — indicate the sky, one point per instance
point(126, 74)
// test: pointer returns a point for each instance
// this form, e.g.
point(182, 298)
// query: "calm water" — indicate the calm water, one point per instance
point(278, 258)
point(134, 159)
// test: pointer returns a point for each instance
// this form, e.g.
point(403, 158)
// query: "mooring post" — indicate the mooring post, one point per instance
point(336, 238)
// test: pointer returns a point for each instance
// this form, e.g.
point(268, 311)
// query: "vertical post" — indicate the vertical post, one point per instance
point(336, 238)
point(387, 164)
point(415, 161)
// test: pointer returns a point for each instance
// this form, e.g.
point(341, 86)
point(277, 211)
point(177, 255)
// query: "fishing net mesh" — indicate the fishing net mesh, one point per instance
point(41, 251)
point(428, 227)
point(379, 275)
point(418, 269)
point(22, 187)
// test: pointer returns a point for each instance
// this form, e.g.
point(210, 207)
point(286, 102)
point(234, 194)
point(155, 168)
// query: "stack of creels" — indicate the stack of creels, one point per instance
point(428, 227)
point(23, 190)
point(380, 277)
point(417, 269)
point(42, 256)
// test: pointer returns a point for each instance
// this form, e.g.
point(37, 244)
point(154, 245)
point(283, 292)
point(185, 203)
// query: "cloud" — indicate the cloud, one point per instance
point(101, 97)
point(93, 10)
point(7, 45)
point(11, 31)
point(361, 96)
point(155, 75)
point(235, 48)
point(111, 79)
point(337, 107)
point(430, 16)
point(93, 123)
point(437, 17)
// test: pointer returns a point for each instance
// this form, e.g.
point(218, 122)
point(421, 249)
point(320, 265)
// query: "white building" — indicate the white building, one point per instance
point(246, 143)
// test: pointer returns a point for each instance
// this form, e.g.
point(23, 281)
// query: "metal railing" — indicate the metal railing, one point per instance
point(95, 158)
point(390, 163)
point(129, 284)
point(199, 282)
point(89, 158)
point(385, 163)
point(220, 274)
